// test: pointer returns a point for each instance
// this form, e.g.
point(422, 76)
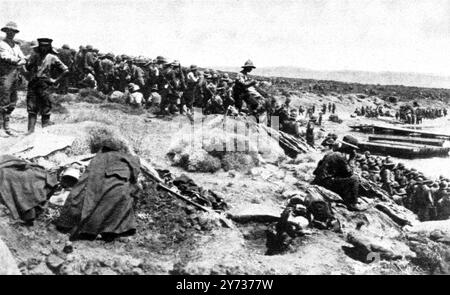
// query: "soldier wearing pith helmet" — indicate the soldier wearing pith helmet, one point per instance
point(11, 61)
point(243, 82)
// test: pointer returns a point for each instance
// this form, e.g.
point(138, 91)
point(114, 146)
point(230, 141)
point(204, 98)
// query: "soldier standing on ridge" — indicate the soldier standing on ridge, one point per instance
point(243, 82)
point(43, 66)
point(11, 59)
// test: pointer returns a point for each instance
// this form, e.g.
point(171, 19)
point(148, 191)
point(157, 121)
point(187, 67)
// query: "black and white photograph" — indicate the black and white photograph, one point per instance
point(224, 138)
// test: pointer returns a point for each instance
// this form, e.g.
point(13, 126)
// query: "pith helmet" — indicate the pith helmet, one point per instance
point(161, 60)
point(133, 87)
point(249, 64)
point(401, 192)
point(65, 46)
point(12, 26)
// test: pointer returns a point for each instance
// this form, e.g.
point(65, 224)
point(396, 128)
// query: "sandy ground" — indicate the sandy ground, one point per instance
point(176, 238)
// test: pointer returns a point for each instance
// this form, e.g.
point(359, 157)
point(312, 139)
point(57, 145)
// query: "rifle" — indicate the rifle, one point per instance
point(151, 173)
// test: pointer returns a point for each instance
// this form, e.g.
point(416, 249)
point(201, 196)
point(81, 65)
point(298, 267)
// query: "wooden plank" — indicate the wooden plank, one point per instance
point(416, 140)
point(398, 130)
point(403, 151)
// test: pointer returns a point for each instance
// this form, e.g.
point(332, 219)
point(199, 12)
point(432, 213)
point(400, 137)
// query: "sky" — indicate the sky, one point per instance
point(368, 35)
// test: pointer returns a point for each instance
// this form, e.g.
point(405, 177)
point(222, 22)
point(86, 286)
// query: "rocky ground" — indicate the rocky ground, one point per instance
point(173, 238)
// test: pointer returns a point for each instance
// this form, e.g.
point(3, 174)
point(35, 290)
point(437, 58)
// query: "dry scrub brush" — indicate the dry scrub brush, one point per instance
point(211, 147)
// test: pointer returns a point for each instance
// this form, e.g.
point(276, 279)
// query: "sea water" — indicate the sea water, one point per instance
point(430, 167)
point(433, 167)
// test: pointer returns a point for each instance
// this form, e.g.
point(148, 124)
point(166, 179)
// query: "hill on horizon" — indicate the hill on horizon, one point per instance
point(362, 77)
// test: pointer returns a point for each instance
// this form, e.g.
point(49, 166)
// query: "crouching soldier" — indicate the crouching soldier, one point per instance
point(45, 69)
point(135, 96)
point(334, 173)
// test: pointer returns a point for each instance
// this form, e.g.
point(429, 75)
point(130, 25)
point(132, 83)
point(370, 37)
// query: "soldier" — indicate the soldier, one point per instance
point(179, 84)
point(11, 60)
point(171, 84)
point(374, 172)
point(135, 97)
point(89, 59)
point(443, 206)
point(320, 119)
point(89, 80)
point(79, 63)
point(107, 71)
point(154, 99)
point(422, 200)
point(310, 133)
point(225, 90)
point(46, 69)
point(153, 73)
point(301, 110)
point(387, 177)
point(334, 173)
point(242, 84)
point(133, 74)
point(65, 55)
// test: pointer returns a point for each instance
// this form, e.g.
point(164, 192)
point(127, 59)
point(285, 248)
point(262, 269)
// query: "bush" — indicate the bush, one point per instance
point(196, 161)
point(239, 161)
point(91, 96)
point(101, 136)
point(207, 164)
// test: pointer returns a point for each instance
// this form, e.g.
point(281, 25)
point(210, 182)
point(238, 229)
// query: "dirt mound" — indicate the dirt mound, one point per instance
point(174, 221)
point(222, 143)
point(167, 230)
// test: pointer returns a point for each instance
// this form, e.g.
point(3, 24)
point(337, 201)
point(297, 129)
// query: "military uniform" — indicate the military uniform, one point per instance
point(65, 55)
point(334, 173)
point(10, 56)
point(423, 202)
point(107, 72)
point(443, 206)
point(192, 79)
point(42, 68)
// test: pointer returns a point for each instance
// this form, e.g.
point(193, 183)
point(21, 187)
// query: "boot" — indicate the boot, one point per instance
point(46, 121)
point(6, 125)
point(32, 118)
